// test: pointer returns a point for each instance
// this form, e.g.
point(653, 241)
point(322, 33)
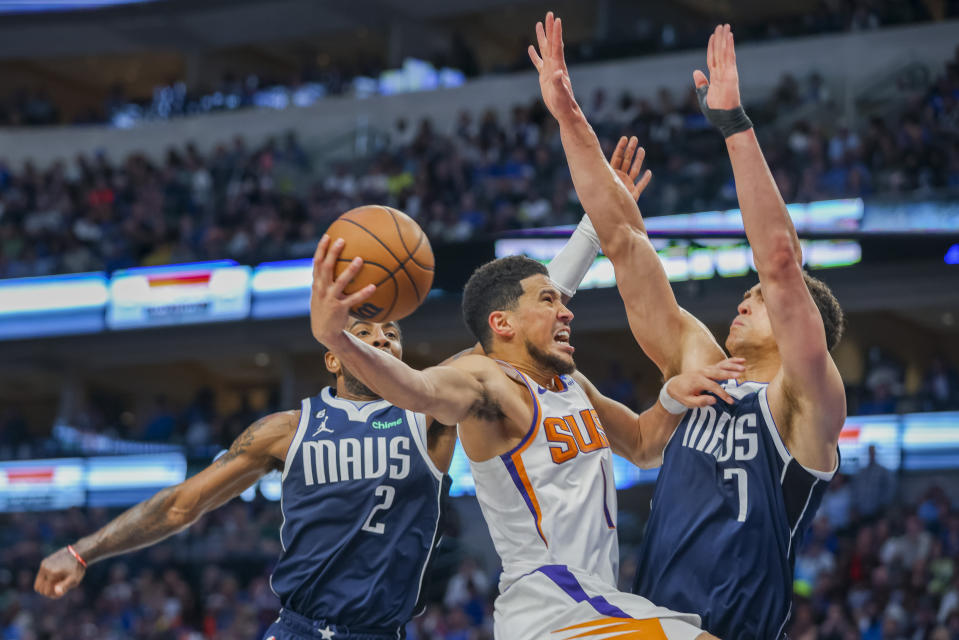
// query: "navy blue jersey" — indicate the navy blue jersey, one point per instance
point(730, 507)
point(361, 510)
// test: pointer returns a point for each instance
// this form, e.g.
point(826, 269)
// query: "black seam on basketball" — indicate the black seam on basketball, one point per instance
point(390, 275)
point(415, 261)
point(373, 235)
point(413, 252)
point(409, 253)
point(416, 289)
point(375, 264)
point(399, 233)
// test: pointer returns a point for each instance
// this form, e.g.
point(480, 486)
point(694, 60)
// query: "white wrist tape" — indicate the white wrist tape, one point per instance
point(671, 404)
point(570, 265)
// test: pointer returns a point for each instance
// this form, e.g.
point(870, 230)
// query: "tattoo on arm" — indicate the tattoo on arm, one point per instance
point(242, 443)
point(139, 526)
point(156, 518)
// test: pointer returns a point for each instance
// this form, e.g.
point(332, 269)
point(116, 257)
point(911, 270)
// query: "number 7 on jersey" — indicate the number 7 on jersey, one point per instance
point(742, 487)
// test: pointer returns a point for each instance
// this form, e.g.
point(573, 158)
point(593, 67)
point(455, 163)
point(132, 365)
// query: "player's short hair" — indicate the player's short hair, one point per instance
point(495, 286)
point(833, 318)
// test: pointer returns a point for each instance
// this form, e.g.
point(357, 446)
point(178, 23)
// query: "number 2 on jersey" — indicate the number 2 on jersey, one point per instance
point(386, 492)
point(742, 487)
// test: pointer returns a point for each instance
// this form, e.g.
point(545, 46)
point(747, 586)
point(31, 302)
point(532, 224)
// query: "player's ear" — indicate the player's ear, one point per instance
point(332, 364)
point(502, 324)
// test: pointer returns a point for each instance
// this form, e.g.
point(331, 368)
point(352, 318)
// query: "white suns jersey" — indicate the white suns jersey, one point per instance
point(552, 499)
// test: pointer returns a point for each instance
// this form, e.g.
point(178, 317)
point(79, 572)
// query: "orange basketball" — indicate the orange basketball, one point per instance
point(397, 258)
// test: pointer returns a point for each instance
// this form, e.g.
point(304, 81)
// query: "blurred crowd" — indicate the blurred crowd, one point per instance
point(487, 175)
point(871, 568)
point(887, 388)
point(643, 34)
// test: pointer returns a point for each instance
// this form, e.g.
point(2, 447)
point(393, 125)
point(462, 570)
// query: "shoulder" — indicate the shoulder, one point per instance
point(277, 424)
point(584, 383)
point(474, 363)
point(277, 431)
point(269, 436)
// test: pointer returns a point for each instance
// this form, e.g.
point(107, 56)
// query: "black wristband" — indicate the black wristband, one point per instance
point(728, 121)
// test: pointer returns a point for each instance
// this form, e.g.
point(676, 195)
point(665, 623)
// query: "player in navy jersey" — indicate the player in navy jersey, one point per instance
point(742, 477)
point(361, 492)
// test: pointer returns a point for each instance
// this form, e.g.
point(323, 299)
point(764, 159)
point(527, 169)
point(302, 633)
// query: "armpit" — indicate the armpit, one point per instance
point(487, 408)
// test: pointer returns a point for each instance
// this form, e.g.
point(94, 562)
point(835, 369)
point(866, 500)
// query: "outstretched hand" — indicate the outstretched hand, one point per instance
point(627, 162)
point(329, 306)
point(723, 79)
point(691, 388)
point(59, 572)
point(550, 61)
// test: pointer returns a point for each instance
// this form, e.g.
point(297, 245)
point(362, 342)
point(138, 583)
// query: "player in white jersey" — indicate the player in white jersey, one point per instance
point(538, 435)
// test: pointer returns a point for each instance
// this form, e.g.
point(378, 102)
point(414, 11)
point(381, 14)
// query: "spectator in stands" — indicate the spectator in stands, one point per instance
point(940, 387)
point(912, 547)
point(837, 504)
point(874, 487)
point(162, 422)
point(467, 583)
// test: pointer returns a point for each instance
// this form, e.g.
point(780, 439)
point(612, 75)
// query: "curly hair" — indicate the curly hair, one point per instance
point(833, 318)
point(495, 286)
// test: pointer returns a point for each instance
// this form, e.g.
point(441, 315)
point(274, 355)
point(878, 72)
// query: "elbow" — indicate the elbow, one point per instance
point(623, 242)
point(182, 509)
point(647, 459)
point(780, 260)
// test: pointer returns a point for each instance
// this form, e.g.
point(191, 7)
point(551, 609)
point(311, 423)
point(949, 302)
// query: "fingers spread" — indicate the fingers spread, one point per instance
point(360, 295)
point(347, 276)
point(320, 253)
point(616, 160)
point(699, 78)
point(537, 61)
point(541, 39)
point(557, 36)
point(639, 155)
point(703, 401)
point(644, 182)
point(719, 391)
point(329, 260)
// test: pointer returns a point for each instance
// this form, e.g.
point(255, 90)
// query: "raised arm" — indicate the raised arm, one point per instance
point(257, 451)
point(809, 378)
point(448, 393)
point(671, 337)
point(641, 438)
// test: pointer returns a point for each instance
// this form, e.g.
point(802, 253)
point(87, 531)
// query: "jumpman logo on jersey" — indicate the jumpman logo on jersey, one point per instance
point(322, 428)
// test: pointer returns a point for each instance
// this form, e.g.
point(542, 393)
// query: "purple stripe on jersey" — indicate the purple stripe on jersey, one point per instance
point(534, 422)
point(565, 580)
point(609, 520)
point(511, 468)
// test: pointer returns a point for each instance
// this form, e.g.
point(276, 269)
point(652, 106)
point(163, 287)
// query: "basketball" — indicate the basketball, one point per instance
point(397, 258)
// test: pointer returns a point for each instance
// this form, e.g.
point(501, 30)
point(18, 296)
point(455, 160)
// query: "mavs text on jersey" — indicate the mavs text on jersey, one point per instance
point(729, 510)
point(361, 502)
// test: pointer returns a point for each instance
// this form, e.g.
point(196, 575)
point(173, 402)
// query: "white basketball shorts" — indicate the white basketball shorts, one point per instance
point(554, 602)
